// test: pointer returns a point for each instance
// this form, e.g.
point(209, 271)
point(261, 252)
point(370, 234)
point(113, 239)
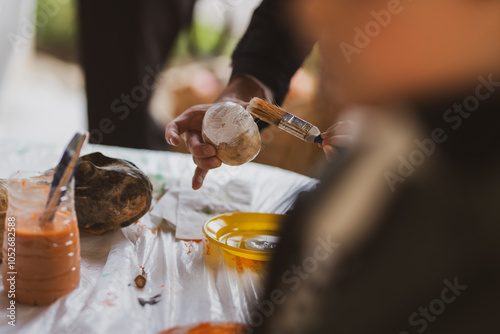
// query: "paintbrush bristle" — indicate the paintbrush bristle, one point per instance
point(266, 111)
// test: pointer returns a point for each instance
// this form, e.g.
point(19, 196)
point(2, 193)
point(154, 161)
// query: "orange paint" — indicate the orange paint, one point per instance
point(155, 230)
point(237, 262)
point(24, 183)
point(242, 263)
point(48, 258)
point(45, 189)
point(208, 328)
point(108, 303)
point(189, 247)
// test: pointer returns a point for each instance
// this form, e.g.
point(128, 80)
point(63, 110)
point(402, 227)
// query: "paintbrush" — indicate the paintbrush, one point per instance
point(287, 122)
point(62, 176)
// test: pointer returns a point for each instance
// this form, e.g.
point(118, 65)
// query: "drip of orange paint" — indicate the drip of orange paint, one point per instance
point(208, 328)
point(242, 263)
point(189, 247)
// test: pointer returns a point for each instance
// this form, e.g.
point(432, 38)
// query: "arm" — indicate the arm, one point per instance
point(269, 50)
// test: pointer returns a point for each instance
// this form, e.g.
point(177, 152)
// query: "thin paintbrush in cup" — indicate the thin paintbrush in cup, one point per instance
point(62, 176)
point(287, 122)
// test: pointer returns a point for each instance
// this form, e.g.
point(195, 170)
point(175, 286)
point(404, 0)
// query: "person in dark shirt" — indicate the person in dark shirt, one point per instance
point(264, 61)
point(123, 46)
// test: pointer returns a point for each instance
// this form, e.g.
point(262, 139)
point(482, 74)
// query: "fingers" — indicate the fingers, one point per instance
point(340, 134)
point(207, 163)
point(197, 147)
point(189, 120)
point(340, 128)
point(330, 152)
point(172, 135)
point(199, 177)
point(188, 126)
point(338, 140)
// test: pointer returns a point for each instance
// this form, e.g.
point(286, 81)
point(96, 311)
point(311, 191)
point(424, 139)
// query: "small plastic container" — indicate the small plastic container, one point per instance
point(246, 234)
point(41, 262)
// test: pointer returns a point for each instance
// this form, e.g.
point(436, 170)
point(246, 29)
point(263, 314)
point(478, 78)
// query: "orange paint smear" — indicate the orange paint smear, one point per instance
point(208, 328)
point(242, 263)
point(189, 247)
point(108, 303)
point(155, 230)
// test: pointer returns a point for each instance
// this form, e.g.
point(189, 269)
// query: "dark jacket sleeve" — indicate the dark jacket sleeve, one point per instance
point(269, 51)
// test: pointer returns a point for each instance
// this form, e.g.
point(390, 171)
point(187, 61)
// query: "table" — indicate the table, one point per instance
point(188, 282)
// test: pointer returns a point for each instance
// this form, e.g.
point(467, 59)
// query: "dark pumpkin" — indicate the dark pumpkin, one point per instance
point(109, 193)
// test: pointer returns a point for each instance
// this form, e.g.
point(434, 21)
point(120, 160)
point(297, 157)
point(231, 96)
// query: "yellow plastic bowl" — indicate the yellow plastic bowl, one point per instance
point(231, 232)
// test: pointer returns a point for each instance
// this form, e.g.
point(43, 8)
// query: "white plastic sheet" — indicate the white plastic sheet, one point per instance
point(186, 210)
point(187, 282)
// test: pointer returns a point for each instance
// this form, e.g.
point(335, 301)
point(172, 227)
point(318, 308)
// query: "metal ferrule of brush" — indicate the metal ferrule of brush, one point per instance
point(299, 128)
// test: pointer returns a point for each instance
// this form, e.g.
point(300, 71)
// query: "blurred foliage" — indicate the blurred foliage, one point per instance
point(57, 34)
point(57, 28)
point(201, 42)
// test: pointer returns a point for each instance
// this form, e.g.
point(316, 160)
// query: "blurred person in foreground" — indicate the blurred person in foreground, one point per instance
point(402, 235)
point(266, 58)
